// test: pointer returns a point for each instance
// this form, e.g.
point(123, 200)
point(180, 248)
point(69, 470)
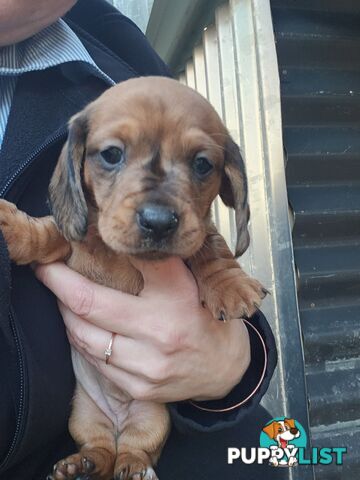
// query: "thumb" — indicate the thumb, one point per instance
point(165, 275)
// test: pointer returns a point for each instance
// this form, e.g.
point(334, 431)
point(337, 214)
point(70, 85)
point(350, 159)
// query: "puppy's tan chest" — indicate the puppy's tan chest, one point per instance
point(115, 271)
point(103, 267)
point(110, 399)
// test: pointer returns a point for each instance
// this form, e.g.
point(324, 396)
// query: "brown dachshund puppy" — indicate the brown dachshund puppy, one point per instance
point(136, 177)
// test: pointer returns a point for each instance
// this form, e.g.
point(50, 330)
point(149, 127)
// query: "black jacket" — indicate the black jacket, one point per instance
point(36, 378)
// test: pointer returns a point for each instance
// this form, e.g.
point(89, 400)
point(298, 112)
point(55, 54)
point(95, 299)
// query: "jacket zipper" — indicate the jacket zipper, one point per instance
point(28, 162)
point(21, 414)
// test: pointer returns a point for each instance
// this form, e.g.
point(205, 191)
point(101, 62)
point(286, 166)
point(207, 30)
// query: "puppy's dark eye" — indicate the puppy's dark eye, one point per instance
point(202, 166)
point(113, 155)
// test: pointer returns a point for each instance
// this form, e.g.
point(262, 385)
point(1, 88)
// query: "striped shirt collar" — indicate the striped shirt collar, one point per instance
point(55, 45)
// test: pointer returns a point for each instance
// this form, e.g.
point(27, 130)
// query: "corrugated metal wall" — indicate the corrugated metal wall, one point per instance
point(318, 44)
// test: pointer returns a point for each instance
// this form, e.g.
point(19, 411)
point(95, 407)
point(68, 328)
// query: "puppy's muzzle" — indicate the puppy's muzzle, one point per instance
point(157, 222)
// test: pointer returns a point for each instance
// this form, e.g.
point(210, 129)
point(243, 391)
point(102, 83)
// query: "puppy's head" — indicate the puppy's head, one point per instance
point(143, 164)
point(282, 431)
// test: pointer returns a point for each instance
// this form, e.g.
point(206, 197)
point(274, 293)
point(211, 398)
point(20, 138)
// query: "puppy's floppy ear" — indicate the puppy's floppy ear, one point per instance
point(270, 430)
point(234, 193)
point(290, 422)
point(66, 194)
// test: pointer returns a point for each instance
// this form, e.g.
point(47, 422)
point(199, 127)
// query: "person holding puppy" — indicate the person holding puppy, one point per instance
point(50, 68)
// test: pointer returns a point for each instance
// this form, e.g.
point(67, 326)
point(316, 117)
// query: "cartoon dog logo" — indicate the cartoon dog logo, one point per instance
point(282, 432)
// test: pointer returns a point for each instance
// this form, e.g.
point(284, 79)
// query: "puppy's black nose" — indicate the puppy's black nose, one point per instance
point(157, 221)
point(294, 430)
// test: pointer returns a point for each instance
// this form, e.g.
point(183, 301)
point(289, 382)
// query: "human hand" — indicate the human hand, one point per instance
point(167, 346)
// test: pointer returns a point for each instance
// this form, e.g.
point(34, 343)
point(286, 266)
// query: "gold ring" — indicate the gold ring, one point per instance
point(108, 351)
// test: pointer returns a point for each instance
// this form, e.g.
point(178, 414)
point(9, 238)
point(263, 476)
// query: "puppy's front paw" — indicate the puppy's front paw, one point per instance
point(8, 212)
point(130, 466)
point(232, 295)
point(11, 222)
point(93, 464)
point(145, 474)
point(74, 467)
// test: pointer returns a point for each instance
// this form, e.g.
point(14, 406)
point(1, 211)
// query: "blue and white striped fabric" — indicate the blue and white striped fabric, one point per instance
point(55, 45)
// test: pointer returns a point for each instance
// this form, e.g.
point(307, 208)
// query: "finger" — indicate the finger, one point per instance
point(130, 355)
point(165, 276)
point(105, 307)
point(140, 389)
point(134, 386)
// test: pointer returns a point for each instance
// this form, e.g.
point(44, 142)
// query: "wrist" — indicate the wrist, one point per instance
point(240, 353)
point(231, 362)
point(230, 410)
point(252, 383)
